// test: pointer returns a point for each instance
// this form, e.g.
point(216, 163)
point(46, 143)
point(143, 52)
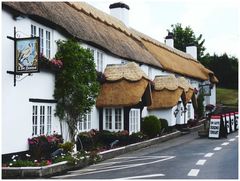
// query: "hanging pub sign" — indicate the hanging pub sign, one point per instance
point(214, 129)
point(232, 121)
point(205, 89)
point(227, 122)
point(27, 55)
point(236, 120)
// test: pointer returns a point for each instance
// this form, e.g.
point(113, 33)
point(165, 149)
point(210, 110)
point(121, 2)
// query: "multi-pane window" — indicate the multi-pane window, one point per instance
point(33, 31)
point(113, 119)
point(118, 118)
point(134, 120)
point(99, 61)
point(41, 34)
point(41, 119)
point(85, 122)
point(34, 120)
point(49, 119)
point(44, 37)
point(108, 118)
point(48, 44)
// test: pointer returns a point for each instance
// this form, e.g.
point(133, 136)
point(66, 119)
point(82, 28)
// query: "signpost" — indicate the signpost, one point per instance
point(214, 129)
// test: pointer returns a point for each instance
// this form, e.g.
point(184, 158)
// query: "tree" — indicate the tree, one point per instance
point(185, 36)
point(76, 86)
point(225, 68)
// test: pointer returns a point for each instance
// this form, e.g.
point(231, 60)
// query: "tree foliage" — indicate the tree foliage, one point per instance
point(76, 86)
point(224, 67)
point(185, 36)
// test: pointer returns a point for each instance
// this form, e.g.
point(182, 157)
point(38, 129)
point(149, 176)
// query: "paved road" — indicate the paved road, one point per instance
point(186, 157)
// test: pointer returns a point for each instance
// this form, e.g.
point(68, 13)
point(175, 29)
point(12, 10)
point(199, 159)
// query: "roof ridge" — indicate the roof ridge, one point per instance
point(106, 18)
point(162, 45)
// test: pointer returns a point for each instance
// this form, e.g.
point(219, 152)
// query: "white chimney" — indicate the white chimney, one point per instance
point(169, 40)
point(192, 50)
point(120, 11)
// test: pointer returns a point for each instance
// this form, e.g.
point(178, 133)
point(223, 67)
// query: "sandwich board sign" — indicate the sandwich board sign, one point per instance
point(236, 120)
point(214, 129)
point(227, 122)
point(232, 121)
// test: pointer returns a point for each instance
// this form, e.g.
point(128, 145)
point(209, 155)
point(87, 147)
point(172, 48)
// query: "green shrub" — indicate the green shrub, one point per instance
point(86, 140)
point(67, 146)
point(164, 124)
point(137, 137)
point(151, 126)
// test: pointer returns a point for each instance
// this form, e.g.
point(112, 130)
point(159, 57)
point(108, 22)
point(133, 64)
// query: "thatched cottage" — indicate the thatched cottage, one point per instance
point(28, 108)
point(123, 95)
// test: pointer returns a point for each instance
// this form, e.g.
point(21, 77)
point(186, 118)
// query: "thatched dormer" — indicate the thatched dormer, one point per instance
point(166, 92)
point(125, 86)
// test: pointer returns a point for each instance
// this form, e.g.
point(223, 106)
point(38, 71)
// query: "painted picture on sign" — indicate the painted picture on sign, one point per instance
point(27, 55)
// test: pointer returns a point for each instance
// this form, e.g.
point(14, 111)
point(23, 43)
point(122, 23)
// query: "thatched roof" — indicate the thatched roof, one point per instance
point(130, 71)
point(183, 83)
point(122, 93)
point(82, 24)
point(125, 86)
point(165, 82)
point(165, 98)
point(166, 92)
point(92, 26)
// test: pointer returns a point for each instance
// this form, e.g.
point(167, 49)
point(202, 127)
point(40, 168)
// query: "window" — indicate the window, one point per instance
point(134, 121)
point(85, 122)
point(108, 118)
point(118, 119)
point(33, 31)
point(41, 40)
point(45, 39)
point(49, 120)
point(113, 119)
point(42, 119)
point(99, 61)
point(43, 113)
point(34, 120)
point(48, 40)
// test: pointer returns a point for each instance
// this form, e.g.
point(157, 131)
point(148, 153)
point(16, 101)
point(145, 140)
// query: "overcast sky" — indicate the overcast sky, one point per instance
point(217, 20)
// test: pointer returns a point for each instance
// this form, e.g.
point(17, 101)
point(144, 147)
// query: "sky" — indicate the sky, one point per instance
point(217, 20)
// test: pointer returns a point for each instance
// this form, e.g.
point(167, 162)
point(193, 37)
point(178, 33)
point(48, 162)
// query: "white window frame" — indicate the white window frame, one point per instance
point(41, 37)
point(42, 119)
point(48, 44)
point(45, 45)
point(99, 62)
point(112, 119)
point(134, 120)
point(85, 123)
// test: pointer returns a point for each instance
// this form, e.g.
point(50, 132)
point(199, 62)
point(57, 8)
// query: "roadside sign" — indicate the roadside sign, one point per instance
point(214, 128)
point(232, 121)
point(227, 122)
point(236, 120)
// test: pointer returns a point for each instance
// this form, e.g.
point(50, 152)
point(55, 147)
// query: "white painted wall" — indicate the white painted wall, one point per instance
point(167, 114)
point(17, 110)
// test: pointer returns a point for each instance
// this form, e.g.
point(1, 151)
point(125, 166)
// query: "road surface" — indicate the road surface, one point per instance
point(185, 157)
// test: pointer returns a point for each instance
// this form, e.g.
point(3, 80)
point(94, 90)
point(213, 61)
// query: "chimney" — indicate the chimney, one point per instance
point(120, 11)
point(169, 40)
point(192, 50)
